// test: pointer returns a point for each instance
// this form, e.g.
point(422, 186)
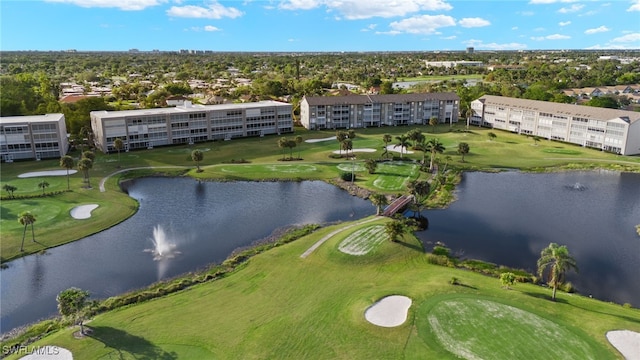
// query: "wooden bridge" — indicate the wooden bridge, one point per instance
point(398, 204)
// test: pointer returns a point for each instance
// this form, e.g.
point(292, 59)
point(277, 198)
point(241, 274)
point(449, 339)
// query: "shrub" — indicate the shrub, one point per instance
point(441, 250)
point(626, 306)
point(568, 287)
point(347, 176)
point(439, 260)
point(454, 281)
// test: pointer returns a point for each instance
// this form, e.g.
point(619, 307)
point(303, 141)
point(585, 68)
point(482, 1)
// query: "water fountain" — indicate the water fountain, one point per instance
point(163, 247)
point(577, 186)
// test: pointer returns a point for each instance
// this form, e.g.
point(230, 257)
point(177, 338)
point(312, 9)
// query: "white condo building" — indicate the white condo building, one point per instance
point(33, 137)
point(361, 111)
point(612, 130)
point(188, 124)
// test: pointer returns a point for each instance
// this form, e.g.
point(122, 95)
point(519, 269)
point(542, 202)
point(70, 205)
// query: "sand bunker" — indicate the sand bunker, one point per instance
point(83, 211)
point(396, 148)
point(47, 173)
point(390, 311)
point(627, 342)
point(47, 353)
point(355, 151)
point(320, 140)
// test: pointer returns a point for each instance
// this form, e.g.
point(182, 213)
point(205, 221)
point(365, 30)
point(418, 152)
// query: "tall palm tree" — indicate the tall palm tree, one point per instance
point(463, 148)
point(434, 147)
point(9, 189)
point(347, 145)
point(85, 165)
point(556, 258)
point(433, 122)
point(403, 142)
point(197, 156)
point(298, 142)
point(379, 200)
point(282, 143)
point(118, 144)
point(68, 163)
point(341, 136)
point(387, 138)
point(26, 218)
point(43, 184)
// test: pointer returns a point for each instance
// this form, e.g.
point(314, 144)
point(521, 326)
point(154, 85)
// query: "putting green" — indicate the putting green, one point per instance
point(348, 167)
point(473, 328)
point(284, 168)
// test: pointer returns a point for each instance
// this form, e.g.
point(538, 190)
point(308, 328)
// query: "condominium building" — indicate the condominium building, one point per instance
point(361, 111)
point(188, 124)
point(33, 137)
point(612, 130)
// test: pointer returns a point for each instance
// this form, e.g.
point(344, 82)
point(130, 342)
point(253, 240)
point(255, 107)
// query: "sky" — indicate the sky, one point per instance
point(318, 25)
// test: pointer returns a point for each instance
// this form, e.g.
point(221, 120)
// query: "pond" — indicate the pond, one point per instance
point(205, 221)
point(508, 218)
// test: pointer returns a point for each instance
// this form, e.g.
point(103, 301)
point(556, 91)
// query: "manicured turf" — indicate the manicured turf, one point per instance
point(506, 151)
point(282, 306)
point(364, 240)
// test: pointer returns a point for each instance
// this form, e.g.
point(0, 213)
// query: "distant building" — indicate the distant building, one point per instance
point(450, 64)
point(361, 111)
point(33, 137)
point(612, 130)
point(470, 50)
point(188, 124)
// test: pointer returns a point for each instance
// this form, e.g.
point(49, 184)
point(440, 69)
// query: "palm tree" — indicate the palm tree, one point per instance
point(557, 259)
point(371, 165)
point(298, 142)
point(43, 184)
point(347, 145)
point(403, 142)
point(434, 146)
point(26, 218)
point(379, 200)
point(394, 229)
point(387, 138)
point(85, 165)
point(9, 189)
point(197, 156)
point(491, 136)
point(341, 136)
point(118, 144)
point(433, 122)
point(68, 163)
point(89, 155)
point(463, 148)
point(282, 143)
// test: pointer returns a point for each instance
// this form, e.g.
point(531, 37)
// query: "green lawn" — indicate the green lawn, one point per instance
point(54, 226)
point(280, 305)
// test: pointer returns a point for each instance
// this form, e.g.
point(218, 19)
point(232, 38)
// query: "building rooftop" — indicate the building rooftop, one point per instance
point(103, 114)
point(6, 120)
point(587, 112)
point(385, 98)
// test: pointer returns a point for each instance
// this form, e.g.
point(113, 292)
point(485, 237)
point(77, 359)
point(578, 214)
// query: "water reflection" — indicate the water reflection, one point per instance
point(206, 222)
point(508, 218)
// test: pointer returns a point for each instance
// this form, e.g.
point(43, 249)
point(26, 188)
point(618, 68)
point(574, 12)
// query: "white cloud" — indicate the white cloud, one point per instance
point(452, 37)
point(120, 4)
point(573, 8)
point(633, 37)
point(370, 27)
point(597, 30)
point(480, 45)
point(213, 10)
point(564, 23)
point(211, 28)
point(514, 28)
point(299, 4)
point(534, 2)
point(635, 6)
point(358, 9)
point(551, 37)
point(424, 24)
point(473, 22)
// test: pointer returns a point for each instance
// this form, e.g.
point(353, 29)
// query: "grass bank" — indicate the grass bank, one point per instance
point(259, 159)
point(280, 305)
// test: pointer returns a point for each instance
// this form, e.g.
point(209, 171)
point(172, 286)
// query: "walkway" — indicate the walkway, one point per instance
point(104, 179)
point(397, 205)
point(331, 234)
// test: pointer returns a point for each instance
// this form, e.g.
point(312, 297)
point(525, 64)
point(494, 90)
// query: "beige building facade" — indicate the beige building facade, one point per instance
point(33, 137)
point(616, 131)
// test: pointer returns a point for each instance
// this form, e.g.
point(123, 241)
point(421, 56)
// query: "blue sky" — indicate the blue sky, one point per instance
point(318, 25)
